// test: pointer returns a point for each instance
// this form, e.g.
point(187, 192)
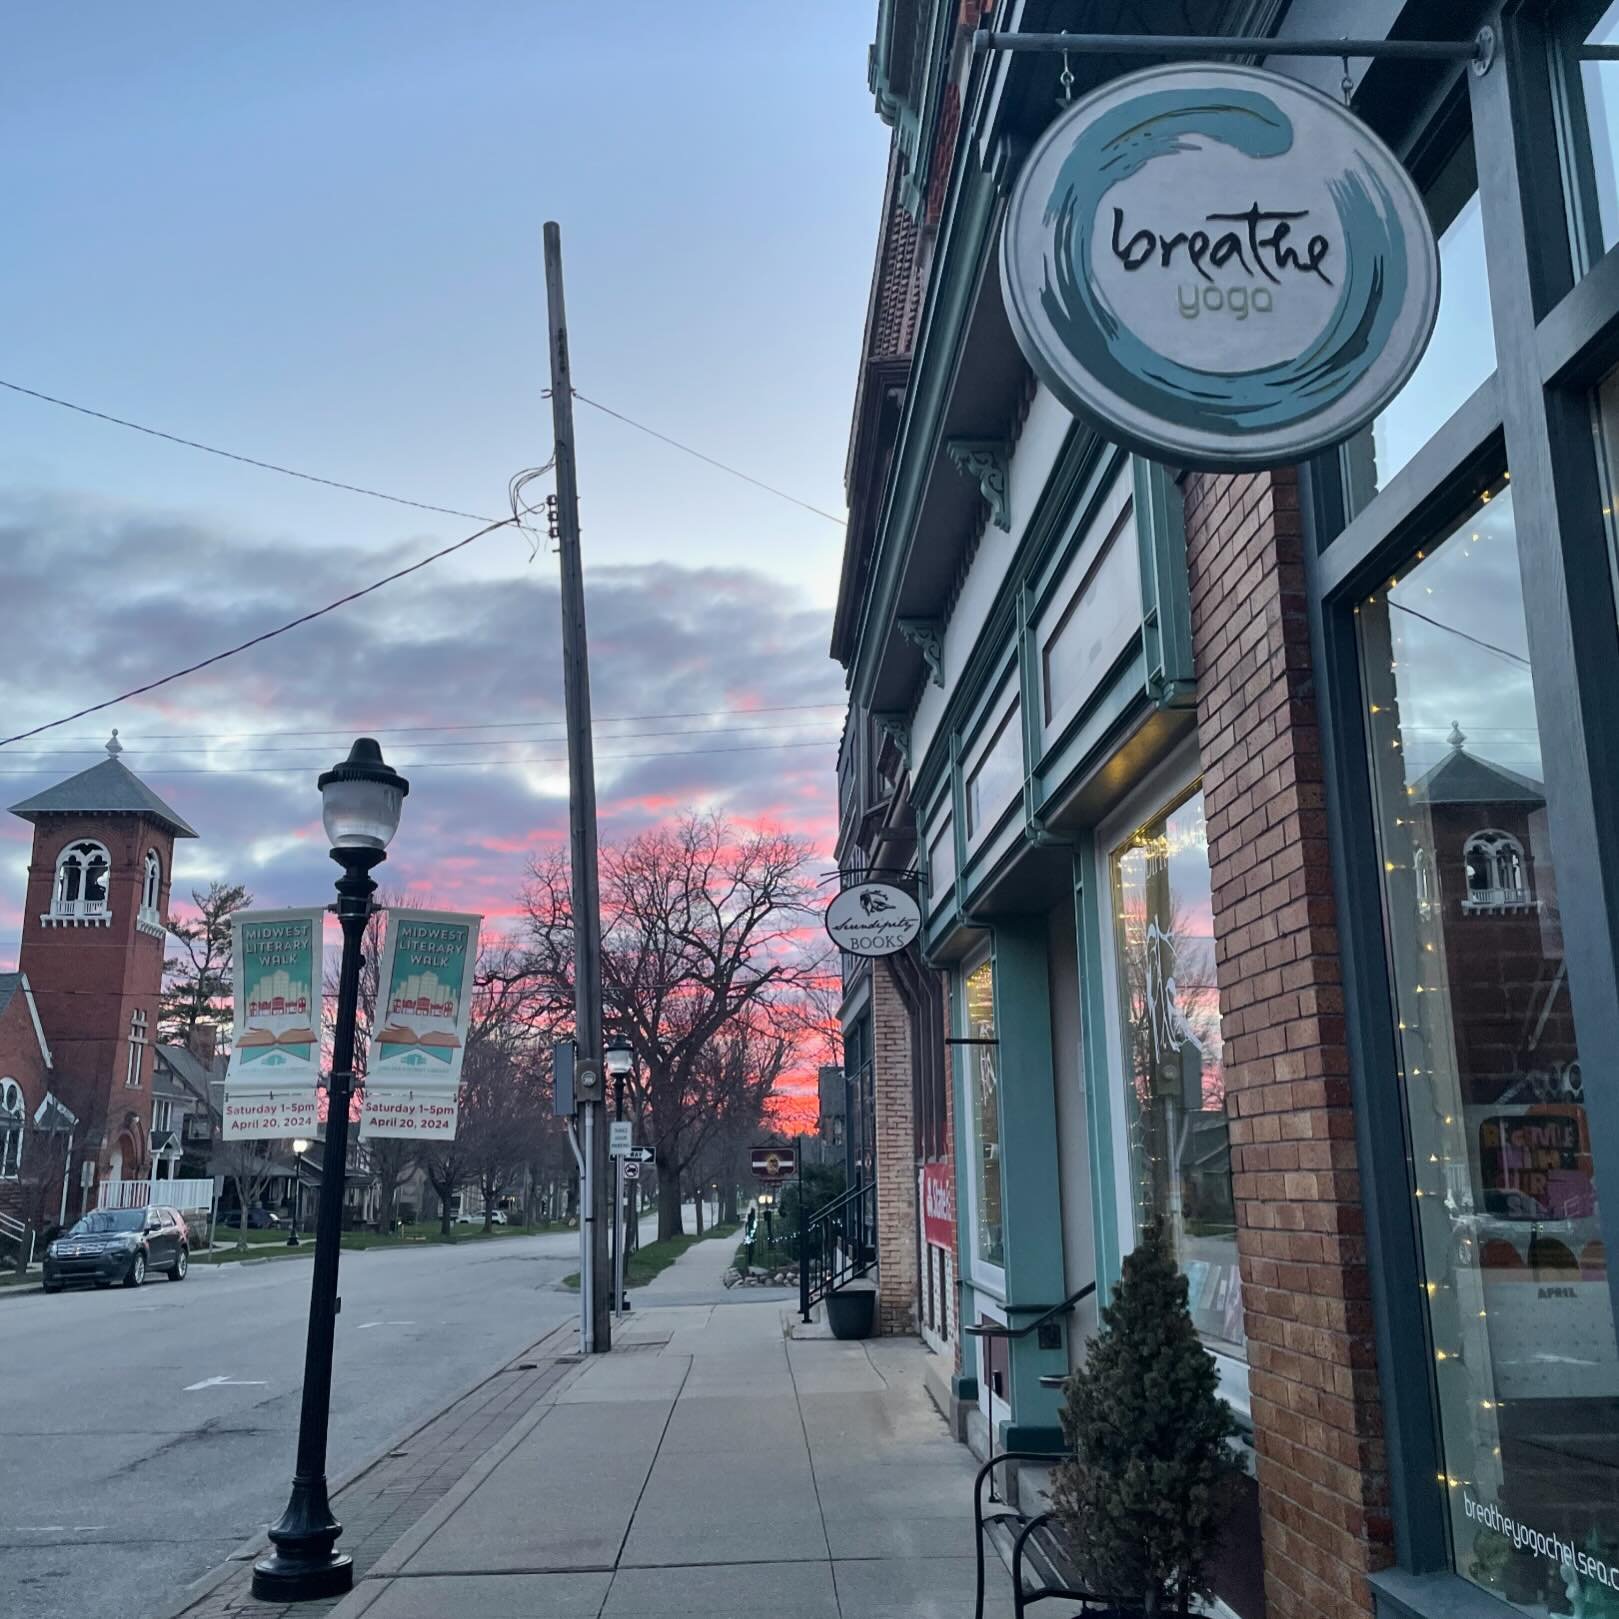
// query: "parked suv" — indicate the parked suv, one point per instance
point(119, 1245)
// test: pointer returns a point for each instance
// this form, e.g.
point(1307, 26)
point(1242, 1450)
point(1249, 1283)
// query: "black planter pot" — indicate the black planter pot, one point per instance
point(852, 1312)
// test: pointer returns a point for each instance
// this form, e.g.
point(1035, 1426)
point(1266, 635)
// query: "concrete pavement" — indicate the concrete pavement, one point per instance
point(712, 1465)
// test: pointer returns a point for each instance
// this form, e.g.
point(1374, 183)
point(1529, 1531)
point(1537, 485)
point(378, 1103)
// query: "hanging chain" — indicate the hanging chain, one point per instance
point(1065, 81)
point(1347, 84)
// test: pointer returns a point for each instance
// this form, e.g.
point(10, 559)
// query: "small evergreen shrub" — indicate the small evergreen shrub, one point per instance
point(1144, 1490)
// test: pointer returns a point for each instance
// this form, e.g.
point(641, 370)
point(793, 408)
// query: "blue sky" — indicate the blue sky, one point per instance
point(311, 233)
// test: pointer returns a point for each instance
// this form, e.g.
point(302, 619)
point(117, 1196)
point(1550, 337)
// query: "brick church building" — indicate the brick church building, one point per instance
point(78, 1020)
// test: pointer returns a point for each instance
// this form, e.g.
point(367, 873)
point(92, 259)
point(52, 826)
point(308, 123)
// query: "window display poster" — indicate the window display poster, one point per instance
point(424, 1000)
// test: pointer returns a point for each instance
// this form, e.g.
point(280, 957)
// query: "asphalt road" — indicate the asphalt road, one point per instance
point(145, 1434)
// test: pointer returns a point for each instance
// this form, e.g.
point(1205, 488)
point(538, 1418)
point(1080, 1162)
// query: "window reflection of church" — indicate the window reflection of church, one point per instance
point(1509, 1150)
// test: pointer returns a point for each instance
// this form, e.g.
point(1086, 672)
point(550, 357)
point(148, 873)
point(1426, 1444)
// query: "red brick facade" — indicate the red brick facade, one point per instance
point(898, 1275)
point(1312, 1361)
point(89, 980)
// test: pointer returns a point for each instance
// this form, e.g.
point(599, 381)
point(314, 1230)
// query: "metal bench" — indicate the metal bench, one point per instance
point(1042, 1566)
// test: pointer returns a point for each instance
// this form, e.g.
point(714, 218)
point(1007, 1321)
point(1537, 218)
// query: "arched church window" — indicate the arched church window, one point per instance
point(1496, 873)
point(151, 882)
point(12, 1120)
point(82, 870)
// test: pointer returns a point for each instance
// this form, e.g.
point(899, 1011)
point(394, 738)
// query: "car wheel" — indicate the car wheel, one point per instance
point(137, 1271)
point(182, 1263)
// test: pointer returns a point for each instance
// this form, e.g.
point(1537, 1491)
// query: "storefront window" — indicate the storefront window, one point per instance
point(993, 780)
point(984, 1087)
point(1515, 1274)
point(1597, 145)
point(1175, 1078)
point(1462, 352)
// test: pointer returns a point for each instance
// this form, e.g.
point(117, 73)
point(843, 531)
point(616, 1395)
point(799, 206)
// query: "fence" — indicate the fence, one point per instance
point(175, 1194)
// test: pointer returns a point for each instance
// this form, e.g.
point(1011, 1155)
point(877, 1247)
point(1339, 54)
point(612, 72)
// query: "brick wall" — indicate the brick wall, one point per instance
point(1312, 1364)
point(897, 1214)
point(88, 980)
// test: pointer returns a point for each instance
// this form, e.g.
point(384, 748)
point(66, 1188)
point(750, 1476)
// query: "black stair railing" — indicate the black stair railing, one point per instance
point(836, 1243)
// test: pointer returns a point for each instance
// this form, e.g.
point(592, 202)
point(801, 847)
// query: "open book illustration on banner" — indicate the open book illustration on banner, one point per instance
point(426, 982)
point(278, 1006)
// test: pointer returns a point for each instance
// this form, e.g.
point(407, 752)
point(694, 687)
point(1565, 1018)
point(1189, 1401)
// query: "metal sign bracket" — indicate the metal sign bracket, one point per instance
point(1480, 50)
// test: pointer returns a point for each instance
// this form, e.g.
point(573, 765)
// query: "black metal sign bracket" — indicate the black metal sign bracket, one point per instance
point(1480, 50)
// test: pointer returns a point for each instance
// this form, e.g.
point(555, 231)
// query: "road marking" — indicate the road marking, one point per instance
point(226, 1383)
point(366, 1326)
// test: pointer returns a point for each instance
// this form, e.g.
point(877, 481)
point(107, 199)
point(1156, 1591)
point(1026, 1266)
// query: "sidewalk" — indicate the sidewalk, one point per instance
point(712, 1466)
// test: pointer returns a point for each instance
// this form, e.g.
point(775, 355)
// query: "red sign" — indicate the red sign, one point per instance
point(938, 1205)
point(775, 1163)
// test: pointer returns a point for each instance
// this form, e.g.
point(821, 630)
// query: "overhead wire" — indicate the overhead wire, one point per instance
point(686, 449)
point(475, 742)
point(258, 640)
point(232, 455)
point(159, 773)
point(477, 725)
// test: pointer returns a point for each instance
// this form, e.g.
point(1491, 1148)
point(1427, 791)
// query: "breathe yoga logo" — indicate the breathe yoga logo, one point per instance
point(1218, 266)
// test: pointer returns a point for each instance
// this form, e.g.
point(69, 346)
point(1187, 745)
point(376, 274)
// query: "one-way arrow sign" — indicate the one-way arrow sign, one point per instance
point(642, 1155)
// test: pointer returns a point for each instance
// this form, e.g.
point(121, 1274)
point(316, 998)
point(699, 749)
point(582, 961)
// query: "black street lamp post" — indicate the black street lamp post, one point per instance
point(360, 804)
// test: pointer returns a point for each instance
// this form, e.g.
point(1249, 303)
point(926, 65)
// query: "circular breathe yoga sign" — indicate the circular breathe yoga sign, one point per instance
point(1218, 267)
point(873, 919)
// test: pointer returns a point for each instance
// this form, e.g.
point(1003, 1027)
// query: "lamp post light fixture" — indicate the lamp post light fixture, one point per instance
point(360, 803)
point(618, 1059)
point(299, 1148)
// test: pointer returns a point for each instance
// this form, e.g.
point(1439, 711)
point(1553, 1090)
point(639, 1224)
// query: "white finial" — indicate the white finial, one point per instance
point(1456, 738)
point(114, 746)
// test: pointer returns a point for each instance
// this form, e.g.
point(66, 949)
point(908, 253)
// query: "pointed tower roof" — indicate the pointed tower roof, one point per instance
point(1463, 778)
point(109, 788)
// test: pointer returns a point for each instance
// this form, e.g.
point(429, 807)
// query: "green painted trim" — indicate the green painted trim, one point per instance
point(964, 1388)
point(1166, 607)
point(1031, 1175)
point(1089, 910)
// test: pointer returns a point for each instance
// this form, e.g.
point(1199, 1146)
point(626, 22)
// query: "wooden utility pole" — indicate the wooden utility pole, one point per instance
point(595, 1211)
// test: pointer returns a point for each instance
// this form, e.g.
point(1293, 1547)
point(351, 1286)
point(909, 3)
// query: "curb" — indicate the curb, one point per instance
point(205, 1584)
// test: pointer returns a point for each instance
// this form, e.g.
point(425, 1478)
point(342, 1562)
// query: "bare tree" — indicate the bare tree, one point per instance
point(198, 982)
point(701, 932)
point(250, 1166)
point(40, 1148)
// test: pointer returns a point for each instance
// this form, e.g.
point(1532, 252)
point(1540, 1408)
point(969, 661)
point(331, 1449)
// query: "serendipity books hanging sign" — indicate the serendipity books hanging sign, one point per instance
point(1218, 267)
point(424, 1004)
point(276, 1038)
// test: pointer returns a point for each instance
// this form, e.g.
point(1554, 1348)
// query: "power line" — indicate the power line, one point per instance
point(1450, 629)
point(464, 764)
point(231, 455)
point(483, 725)
point(475, 742)
point(674, 443)
point(258, 640)
point(379, 494)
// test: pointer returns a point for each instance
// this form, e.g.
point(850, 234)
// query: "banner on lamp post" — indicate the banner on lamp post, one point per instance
point(389, 1111)
point(274, 1066)
point(424, 1002)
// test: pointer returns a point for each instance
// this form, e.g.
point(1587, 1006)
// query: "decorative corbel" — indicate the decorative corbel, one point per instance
point(897, 729)
point(985, 461)
point(927, 636)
